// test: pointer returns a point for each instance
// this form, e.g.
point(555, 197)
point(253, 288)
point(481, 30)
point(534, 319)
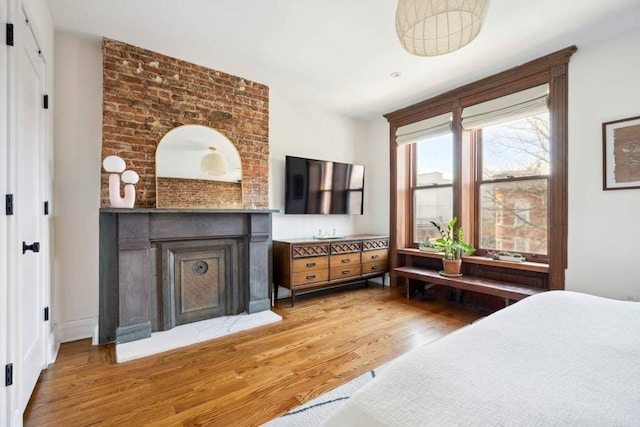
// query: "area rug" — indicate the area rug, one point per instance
point(314, 412)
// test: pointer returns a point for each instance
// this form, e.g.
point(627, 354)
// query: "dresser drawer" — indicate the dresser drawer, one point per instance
point(373, 256)
point(346, 247)
point(372, 244)
point(344, 260)
point(345, 271)
point(311, 276)
point(374, 267)
point(305, 251)
point(307, 264)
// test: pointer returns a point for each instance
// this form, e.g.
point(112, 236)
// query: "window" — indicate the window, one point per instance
point(432, 185)
point(513, 185)
point(509, 185)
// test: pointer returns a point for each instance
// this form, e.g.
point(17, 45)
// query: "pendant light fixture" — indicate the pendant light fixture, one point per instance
point(214, 163)
point(437, 27)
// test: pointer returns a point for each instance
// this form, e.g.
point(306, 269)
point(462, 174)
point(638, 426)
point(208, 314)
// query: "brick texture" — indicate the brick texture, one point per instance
point(626, 149)
point(146, 94)
point(197, 193)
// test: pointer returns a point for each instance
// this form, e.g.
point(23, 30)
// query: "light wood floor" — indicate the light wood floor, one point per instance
point(248, 378)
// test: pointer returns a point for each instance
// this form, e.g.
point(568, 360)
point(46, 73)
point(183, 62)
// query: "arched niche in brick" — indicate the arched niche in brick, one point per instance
point(181, 181)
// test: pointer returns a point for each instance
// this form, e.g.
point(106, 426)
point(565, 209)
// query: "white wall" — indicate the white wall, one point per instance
point(302, 130)
point(372, 150)
point(294, 128)
point(77, 183)
point(603, 225)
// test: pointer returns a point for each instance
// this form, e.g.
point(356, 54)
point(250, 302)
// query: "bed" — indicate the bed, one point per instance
point(556, 358)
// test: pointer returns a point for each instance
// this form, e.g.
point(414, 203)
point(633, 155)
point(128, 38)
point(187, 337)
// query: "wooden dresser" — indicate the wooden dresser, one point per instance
point(313, 264)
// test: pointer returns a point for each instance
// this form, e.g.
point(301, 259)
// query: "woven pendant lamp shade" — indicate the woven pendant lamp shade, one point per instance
point(214, 163)
point(437, 27)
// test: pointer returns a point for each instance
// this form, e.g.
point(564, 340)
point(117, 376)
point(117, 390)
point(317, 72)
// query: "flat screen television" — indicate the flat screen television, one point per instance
point(323, 187)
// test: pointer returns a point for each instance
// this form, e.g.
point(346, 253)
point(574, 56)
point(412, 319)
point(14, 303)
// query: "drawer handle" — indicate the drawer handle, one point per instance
point(346, 271)
point(375, 256)
point(311, 276)
point(346, 260)
point(311, 264)
point(374, 267)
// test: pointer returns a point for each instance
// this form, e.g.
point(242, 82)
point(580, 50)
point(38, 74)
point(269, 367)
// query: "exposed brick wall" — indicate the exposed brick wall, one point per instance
point(146, 94)
point(197, 193)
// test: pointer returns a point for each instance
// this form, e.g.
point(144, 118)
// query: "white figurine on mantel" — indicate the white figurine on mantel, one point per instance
point(116, 166)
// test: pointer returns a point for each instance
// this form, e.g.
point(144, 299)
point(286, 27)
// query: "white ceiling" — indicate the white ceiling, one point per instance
point(338, 54)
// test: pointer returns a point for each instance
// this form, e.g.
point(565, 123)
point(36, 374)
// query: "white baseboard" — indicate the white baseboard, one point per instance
point(77, 330)
point(283, 293)
point(54, 346)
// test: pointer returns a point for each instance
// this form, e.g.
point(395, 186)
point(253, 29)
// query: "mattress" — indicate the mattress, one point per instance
point(557, 358)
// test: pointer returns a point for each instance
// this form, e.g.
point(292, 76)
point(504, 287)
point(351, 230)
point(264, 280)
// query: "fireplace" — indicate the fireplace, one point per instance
point(200, 280)
point(164, 268)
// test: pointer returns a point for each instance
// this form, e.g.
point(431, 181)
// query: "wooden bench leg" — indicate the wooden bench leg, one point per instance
point(293, 297)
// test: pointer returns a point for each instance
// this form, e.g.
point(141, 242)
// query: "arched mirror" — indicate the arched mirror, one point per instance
point(196, 168)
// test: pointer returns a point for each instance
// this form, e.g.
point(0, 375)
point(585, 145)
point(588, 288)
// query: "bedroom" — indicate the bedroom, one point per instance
point(602, 88)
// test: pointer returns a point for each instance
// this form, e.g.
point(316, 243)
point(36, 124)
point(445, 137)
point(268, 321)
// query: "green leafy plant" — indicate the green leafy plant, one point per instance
point(451, 241)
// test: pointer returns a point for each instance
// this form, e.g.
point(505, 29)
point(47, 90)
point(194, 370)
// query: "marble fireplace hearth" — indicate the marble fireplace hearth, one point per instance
point(163, 269)
point(192, 333)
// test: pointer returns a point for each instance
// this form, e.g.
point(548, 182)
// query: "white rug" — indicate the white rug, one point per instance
point(314, 412)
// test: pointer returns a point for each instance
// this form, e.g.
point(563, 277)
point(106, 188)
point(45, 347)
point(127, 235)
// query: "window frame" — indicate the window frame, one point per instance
point(479, 181)
point(551, 69)
point(413, 187)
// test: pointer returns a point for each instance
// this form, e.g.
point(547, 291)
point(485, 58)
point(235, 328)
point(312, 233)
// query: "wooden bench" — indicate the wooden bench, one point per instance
point(508, 291)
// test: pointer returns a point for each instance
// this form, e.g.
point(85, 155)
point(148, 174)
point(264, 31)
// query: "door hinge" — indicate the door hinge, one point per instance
point(46, 314)
point(45, 102)
point(8, 375)
point(9, 34)
point(46, 208)
point(8, 204)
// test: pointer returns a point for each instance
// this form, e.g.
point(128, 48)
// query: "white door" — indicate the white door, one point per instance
point(29, 214)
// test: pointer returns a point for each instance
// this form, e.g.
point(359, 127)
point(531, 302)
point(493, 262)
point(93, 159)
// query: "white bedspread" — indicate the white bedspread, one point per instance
point(557, 358)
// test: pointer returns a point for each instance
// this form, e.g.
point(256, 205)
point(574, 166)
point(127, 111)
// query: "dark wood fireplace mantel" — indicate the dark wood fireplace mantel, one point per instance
point(131, 258)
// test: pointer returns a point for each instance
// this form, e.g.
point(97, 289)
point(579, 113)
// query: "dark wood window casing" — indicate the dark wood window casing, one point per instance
point(551, 69)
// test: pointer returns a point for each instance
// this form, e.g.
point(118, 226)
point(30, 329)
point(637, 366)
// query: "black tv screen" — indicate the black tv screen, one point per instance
point(323, 187)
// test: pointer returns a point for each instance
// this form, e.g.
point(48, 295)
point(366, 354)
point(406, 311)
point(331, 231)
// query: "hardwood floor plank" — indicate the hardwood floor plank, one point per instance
point(247, 378)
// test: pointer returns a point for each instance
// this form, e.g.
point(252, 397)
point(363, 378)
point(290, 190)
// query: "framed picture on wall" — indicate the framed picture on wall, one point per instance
point(621, 154)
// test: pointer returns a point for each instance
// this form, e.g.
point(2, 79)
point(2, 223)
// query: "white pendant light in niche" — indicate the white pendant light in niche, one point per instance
point(214, 163)
point(437, 27)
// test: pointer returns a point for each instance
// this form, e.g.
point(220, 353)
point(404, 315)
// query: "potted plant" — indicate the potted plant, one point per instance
point(451, 242)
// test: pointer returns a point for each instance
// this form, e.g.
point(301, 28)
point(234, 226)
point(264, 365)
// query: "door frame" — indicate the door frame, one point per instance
point(4, 167)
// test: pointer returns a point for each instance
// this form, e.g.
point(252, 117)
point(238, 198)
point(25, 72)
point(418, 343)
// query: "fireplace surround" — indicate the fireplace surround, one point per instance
point(160, 268)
